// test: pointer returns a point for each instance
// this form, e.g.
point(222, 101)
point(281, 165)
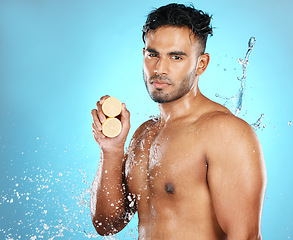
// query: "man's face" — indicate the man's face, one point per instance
point(170, 63)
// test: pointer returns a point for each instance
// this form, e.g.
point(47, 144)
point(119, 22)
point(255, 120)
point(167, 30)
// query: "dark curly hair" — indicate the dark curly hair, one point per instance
point(179, 15)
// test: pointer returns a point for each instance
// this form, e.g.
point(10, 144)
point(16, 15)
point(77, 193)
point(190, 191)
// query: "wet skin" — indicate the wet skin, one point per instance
point(195, 173)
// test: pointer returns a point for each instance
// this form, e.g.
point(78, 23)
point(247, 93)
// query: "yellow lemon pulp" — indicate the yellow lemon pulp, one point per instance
point(111, 127)
point(111, 107)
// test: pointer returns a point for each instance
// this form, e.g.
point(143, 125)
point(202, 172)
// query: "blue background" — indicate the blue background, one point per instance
point(57, 58)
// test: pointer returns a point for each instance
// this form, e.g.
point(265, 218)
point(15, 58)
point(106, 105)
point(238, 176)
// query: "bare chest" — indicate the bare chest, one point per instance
point(170, 164)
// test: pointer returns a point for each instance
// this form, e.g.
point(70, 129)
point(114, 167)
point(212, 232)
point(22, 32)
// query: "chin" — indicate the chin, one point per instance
point(158, 99)
point(166, 98)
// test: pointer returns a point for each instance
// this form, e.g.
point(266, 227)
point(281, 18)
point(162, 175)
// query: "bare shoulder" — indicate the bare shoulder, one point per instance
point(229, 137)
point(224, 124)
point(144, 128)
point(218, 121)
point(231, 145)
point(142, 132)
point(223, 130)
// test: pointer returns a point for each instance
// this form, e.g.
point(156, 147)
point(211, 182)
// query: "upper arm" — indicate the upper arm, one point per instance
point(130, 200)
point(236, 177)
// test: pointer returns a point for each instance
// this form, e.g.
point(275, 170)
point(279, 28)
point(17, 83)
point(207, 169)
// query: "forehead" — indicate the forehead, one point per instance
point(169, 37)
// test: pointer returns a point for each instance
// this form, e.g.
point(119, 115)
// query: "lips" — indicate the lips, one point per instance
point(159, 84)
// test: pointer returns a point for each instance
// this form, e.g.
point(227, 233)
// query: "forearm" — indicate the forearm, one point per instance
point(107, 194)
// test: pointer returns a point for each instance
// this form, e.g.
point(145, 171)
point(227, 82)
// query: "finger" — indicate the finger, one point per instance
point(125, 120)
point(96, 120)
point(102, 99)
point(100, 113)
point(97, 133)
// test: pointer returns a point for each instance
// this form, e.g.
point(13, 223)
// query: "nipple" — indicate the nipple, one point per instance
point(169, 188)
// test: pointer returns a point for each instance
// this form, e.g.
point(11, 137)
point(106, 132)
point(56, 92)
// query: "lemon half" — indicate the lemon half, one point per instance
point(112, 107)
point(111, 127)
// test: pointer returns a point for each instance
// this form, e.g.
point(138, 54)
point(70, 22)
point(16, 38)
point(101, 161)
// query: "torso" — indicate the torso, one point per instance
point(166, 171)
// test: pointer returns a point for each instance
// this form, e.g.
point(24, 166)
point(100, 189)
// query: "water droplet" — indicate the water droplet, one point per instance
point(258, 123)
point(289, 123)
point(155, 118)
point(131, 204)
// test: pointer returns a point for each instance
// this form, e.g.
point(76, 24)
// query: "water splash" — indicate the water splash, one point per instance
point(235, 103)
point(49, 203)
point(155, 118)
point(258, 124)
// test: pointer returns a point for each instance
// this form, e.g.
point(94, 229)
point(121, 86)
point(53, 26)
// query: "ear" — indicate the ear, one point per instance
point(143, 51)
point(203, 62)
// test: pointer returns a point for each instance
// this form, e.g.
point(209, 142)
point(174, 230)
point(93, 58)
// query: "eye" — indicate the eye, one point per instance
point(175, 57)
point(151, 55)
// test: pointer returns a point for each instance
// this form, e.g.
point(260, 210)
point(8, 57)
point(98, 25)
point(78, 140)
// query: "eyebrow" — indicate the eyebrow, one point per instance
point(180, 53)
point(152, 50)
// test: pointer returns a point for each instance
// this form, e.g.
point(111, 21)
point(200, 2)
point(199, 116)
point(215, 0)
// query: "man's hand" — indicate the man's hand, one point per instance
point(108, 207)
point(106, 143)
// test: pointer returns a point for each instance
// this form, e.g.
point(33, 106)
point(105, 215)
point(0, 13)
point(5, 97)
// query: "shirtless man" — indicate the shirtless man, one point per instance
point(195, 173)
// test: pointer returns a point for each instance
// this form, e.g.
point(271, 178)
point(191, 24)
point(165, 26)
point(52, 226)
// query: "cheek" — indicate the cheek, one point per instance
point(181, 69)
point(190, 65)
point(148, 66)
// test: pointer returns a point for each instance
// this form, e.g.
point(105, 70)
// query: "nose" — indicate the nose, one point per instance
point(162, 66)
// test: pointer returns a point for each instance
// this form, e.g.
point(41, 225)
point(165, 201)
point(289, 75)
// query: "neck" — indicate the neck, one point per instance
point(182, 107)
